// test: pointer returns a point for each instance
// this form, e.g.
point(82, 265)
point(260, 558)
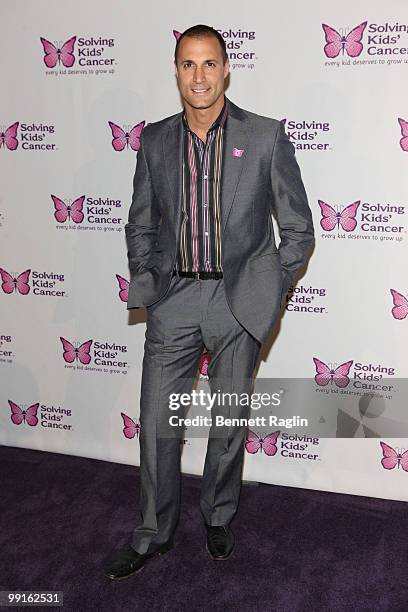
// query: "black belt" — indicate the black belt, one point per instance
point(199, 275)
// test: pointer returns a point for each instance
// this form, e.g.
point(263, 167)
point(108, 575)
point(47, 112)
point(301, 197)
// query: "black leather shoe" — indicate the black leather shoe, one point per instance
point(220, 542)
point(129, 561)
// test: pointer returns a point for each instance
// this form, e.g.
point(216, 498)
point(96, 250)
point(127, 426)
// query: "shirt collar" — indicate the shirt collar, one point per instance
point(220, 120)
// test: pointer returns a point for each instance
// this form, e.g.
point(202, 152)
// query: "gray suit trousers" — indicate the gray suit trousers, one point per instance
point(193, 313)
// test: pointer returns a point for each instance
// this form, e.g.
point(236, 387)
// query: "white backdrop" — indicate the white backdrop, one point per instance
point(342, 115)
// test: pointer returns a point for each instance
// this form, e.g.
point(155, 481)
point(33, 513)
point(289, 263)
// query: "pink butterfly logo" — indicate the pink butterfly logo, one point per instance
point(122, 139)
point(332, 219)
point(18, 284)
point(176, 34)
point(254, 443)
point(325, 374)
point(351, 43)
point(29, 416)
point(124, 288)
point(71, 211)
point(391, 458)
point(404, 134)
point(8, 138)
point(56, 55)
point(130, 429)
point(237, 152)
point(205, 361)
point(80, 353)
point(400, 308)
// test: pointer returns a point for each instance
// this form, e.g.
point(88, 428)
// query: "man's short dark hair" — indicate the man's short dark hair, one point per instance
point(199, 31)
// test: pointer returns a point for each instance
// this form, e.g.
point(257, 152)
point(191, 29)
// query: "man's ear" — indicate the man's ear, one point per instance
point(226, 69)
point(175, 69)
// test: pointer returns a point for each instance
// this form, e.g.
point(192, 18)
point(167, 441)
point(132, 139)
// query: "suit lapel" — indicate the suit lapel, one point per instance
point(236, 136)
point(173, 159)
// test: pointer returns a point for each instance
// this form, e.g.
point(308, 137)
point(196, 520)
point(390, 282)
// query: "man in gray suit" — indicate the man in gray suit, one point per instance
point(204, 262)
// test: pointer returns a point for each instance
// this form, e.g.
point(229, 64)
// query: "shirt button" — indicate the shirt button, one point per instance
point(206, 233)
point(205, 176)
point(205, 204)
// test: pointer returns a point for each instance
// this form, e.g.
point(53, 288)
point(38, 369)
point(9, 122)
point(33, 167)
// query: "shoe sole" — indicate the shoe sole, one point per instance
point(156, 554)
point(219, 558)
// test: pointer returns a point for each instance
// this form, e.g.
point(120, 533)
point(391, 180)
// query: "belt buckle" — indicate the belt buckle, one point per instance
point(197, 275)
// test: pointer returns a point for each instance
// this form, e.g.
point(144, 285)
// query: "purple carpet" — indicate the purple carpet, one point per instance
point(62, 518)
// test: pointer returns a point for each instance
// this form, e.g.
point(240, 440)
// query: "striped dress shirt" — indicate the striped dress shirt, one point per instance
point(200, 231)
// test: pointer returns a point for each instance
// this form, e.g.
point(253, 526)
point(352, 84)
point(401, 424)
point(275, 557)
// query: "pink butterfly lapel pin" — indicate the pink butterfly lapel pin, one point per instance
point(237, 152)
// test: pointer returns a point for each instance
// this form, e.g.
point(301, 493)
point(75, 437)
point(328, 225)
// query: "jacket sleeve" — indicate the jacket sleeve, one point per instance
point(144, 216)
point(291, 208)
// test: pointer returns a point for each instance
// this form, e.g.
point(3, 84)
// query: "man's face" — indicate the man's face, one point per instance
point(200, 71)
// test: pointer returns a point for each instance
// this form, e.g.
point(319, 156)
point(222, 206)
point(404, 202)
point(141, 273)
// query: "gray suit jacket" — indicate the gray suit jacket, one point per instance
point(265, 179)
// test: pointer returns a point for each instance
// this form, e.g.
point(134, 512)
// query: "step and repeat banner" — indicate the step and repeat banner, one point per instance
point(79, 84)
